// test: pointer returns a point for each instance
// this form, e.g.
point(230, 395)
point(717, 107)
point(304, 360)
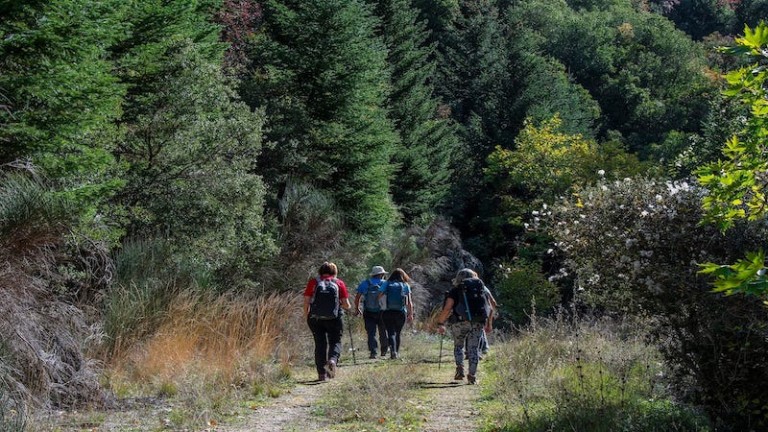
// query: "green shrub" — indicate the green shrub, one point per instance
point(582, 376)
point(633, 246)
point(521, 288)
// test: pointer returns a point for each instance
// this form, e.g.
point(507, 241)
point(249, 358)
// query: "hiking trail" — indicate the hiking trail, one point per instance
point(448, 405)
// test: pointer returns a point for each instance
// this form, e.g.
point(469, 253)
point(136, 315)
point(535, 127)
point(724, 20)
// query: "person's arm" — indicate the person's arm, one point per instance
point(409, 307)
point(357, 304)
point(444, 314)
point(344, 296)
point(494, 305)
point(306, 306)
point(308, 291)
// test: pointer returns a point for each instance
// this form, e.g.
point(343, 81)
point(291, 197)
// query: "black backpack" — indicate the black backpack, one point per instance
point(325, 300)
point(473, 304)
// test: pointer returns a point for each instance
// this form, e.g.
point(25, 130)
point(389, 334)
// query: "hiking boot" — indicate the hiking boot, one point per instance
point(394, 355)
point(459, 373)
point(322, 377)
point(384, 352)
point(330, 368)
point(471, 379)
point(373, 356)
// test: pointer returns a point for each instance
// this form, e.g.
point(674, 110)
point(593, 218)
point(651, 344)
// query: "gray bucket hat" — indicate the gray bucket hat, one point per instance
point(377, 270)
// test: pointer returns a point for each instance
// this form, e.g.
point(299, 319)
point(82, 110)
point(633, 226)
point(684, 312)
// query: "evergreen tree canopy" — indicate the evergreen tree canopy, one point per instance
point(320, 72)
point(428, 139)
point(58, 97)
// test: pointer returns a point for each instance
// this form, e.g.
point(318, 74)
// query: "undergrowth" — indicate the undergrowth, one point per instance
point(588, 375)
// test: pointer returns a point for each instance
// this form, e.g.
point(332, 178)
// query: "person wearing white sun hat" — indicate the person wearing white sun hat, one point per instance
point(368, 291)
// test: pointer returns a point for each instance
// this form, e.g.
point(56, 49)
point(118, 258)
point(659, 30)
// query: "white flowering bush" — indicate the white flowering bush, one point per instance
point(634, 246)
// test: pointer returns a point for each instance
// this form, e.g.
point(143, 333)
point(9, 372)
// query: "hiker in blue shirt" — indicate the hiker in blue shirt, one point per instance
point(368, 290)
point(399, 308)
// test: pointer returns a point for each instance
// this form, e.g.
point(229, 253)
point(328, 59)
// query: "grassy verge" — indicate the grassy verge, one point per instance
point(591, 375)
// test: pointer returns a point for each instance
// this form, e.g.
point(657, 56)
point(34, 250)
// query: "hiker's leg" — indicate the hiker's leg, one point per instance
point(484, 343)
point(321, 344)
point(473, 346)
point(399, 323)
point(335, 328)
point(459, 332)
point(383, 334)
point(388, 318)
point(371, 321)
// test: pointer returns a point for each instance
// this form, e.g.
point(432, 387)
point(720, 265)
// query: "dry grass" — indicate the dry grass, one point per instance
point(212, 347)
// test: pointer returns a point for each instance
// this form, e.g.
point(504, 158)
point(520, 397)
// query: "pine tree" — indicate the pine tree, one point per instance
point(58, 98)
point(429, 141)
point(190, 146)
point(321, 73)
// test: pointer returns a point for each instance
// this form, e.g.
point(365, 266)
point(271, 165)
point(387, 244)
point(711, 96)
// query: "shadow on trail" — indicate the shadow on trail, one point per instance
point(438, 385)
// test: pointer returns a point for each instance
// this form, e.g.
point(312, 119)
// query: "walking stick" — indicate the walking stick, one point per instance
point(351, 341)
point(440, 359)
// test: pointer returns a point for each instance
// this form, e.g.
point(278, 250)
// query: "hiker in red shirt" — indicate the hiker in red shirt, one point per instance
point(324, 298)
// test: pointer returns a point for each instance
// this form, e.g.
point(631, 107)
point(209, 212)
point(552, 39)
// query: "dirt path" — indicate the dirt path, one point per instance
point(453, 405)
point(450, 405)
point(290, 412)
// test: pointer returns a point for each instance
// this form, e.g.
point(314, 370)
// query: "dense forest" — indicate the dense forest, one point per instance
point(592, 154)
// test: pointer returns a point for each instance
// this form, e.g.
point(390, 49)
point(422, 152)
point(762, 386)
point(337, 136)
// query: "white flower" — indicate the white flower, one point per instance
point(601, 173)
point(549, 251)
point(644, 213)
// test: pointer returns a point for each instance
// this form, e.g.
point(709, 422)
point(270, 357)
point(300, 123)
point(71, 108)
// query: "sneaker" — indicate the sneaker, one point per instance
point(394, 355)
point(330, 368)
point(471, 379)
point(373, 356)
point(459, 373)
point(322, 377)
point(384, 353)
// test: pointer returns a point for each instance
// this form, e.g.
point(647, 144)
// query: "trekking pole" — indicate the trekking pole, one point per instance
point(351, 341)
point(440, 358)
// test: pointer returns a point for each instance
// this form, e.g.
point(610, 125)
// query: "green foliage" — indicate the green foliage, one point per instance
point(585, 376)
point(633, 246)
point(321, 74)
point(546, 163)
point(30, 211)
point(700, 18)
point(522, 291)
point(646, 76)
point(737, 185)
point(58, 96)
point(428, 140)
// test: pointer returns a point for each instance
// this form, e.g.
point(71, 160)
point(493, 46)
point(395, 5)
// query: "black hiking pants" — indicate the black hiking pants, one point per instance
point(374, 323)
point(327, 334)
point(394, 321)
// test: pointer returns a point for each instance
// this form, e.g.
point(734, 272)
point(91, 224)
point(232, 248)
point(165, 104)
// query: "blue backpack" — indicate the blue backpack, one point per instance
point(371, 303)
point(396, 294)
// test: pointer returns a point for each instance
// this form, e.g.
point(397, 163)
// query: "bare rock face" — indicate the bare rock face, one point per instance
point(445, 256)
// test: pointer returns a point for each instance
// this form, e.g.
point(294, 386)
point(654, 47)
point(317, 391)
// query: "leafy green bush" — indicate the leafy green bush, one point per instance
point(633, 246)
point(521, 288)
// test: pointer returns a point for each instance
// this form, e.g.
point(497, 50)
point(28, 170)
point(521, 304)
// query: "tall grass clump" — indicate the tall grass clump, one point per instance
point(30, 213)
point(137, 303)
point(591, 375)
point(211, 348)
